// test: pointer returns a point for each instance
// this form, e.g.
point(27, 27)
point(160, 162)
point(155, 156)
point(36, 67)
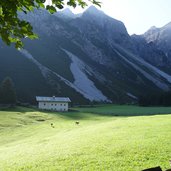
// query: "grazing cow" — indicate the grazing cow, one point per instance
point(77, 123)
point(52, 125)
point(153, 169)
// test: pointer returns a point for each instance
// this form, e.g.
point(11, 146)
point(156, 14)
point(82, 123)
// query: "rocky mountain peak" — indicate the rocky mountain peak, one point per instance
point(93, 11)
point(66, 13)
point(98, 17)
point(153, 28)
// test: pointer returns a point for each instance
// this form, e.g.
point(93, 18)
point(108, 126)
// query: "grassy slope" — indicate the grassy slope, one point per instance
point(100, 142)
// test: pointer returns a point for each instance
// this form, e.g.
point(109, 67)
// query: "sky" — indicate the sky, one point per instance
point(137, 15)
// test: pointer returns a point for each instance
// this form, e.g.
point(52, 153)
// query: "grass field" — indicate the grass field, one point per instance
point(108, 138)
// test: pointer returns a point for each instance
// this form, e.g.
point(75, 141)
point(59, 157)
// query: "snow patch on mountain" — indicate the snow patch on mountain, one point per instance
point(88, 90)
point(79, 70)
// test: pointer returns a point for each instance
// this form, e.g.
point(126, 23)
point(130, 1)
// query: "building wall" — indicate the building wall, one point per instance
point(55, 106)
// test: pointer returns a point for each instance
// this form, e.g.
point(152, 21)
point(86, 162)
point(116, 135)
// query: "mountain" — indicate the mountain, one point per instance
point(90, 57)
point(161, 37)
point(151, 53)
point(67, 13)
point(154, 46)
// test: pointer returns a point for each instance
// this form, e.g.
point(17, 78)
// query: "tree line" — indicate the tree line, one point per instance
point(8, 96)
point(7, 92)
point(161, 99)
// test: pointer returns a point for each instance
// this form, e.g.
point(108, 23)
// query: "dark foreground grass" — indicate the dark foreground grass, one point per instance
point(102, 141)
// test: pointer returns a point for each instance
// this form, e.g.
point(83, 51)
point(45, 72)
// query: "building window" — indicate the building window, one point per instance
point(64, 104)
point(44, 104)
point(61, 104)
point(51, 104)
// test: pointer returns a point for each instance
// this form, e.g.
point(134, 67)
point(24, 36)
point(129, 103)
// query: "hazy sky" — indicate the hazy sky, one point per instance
point(138, 15)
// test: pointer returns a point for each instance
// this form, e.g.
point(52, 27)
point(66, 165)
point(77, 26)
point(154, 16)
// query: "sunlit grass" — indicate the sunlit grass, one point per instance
point(102, 141)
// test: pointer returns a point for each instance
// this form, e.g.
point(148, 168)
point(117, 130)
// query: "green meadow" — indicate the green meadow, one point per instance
point(108, 138)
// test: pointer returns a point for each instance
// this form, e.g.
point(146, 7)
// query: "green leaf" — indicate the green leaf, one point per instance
point(18, 45)
point(51, 9)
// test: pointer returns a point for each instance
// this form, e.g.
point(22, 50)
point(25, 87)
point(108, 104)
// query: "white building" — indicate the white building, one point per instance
point(53, 103)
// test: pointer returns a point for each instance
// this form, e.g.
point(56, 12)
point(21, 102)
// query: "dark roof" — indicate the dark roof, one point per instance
point(52, 99)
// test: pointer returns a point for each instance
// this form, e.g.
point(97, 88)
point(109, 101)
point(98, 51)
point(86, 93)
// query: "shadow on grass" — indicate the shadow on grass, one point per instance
point(89, 113)
point(72, 114)
point(18, 109)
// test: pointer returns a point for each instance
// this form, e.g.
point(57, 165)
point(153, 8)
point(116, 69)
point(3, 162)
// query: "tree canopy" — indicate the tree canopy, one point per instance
point(7, 92)
point(13, 29)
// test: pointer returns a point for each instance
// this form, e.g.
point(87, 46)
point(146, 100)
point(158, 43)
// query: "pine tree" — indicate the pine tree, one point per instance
point(7, 92)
